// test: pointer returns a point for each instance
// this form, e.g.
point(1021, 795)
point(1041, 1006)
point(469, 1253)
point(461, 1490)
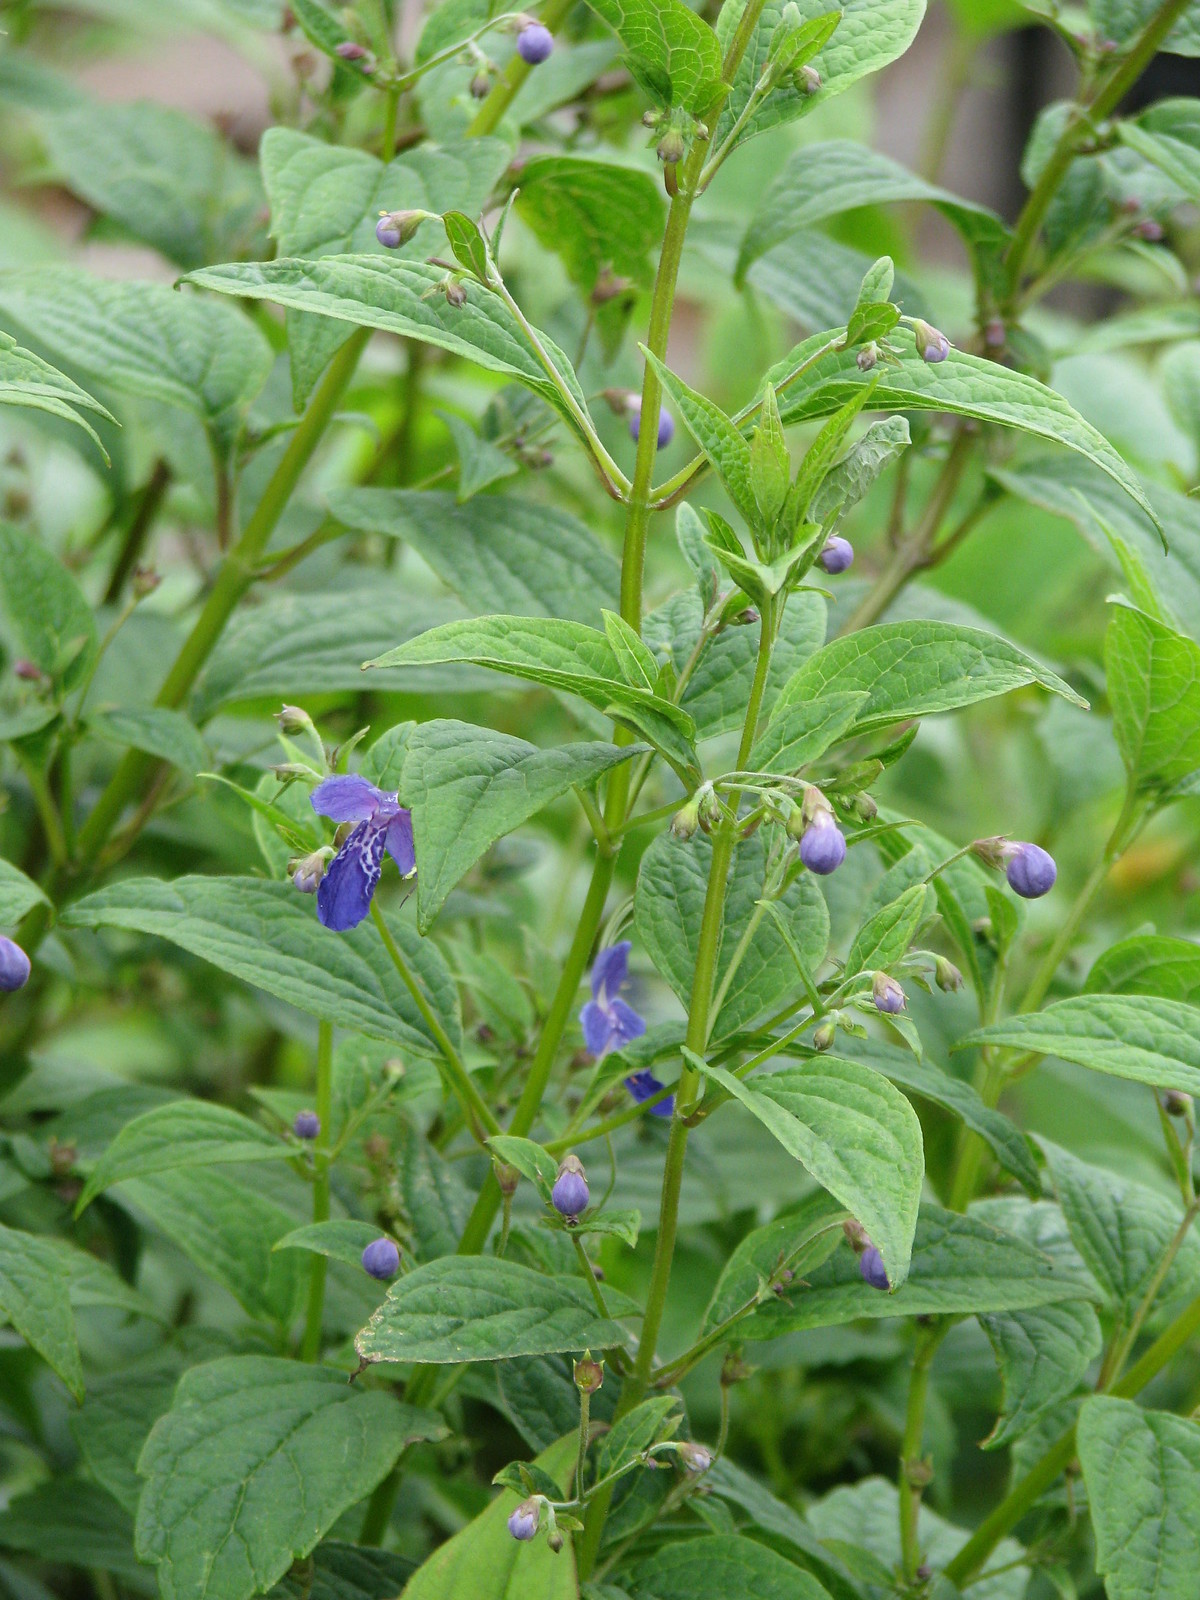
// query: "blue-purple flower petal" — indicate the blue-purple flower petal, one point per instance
point(344, 898)
point(610, 970)
point(642, 1085)
point(346, 798)
point(626, 1024)
point(597, 1028)
point(399, 839)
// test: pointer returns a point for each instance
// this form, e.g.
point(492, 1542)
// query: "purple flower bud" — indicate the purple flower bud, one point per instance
point(307, 1125)
point(395, 228)
point(1150, 229)
point(995, 334)
point(523, 1523)
point(806, 79)
point(837, 555)
point(932, 345)
point(887, 994)
point(534, 43)
point(867, 357)
point(306, 872)
point(387, 234)
point(14, 966)
point(456, 295)
point(569, 1195)
point(695, 1457)
point(824, 1036)
point(666, 422)
point(349, 51)
point(823, 847)
point(381, 1259)
point(28, 671)
point(870, 1264)
point(1030, 871)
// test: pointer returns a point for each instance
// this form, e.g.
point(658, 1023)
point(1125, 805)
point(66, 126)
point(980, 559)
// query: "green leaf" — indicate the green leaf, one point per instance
point(1148, 963)
point(480, 462)
point(964, 384)
point(1122, 1230)
point(916, 669)
point(689, 535)
point(819, 457)
point(298, 644)
point(146, 340)
point(667, 906)
point(725, 447)
point(870, 34)
point(1043, 1356)
point(228, 1230)
point(799, 1241)
point(959, 1265)
point(325, 199)
point(855, 1133)
point(1142, 1471)
point(341, 1239)
point(73, 1516)
point(168, 179)
point(27, 380)
point(484, 1562)
point(1127, 1036)
point(593, 214)
point(670, 51)
point(1167, 135)
point(825, 179)
point(801, 731)
point(155, 729)
point(307, 1446)
point(483, 1308)
point(1153, 676)
point(1120, 20)
point(530, 1160)
point(18, 895)
point(346, 1572)
point(48, 615)
point(547, 564)
point(468, 787)
point(35, 1298)
point(319, 26)
point(267, 935)
point(648, 1422)
point(402, 297)
point(184, 1133)
point(560, 654)
point(886, 936)
point(720, 1566)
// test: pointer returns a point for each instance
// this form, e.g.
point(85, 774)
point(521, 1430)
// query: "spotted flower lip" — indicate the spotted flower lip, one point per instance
point(380, 823)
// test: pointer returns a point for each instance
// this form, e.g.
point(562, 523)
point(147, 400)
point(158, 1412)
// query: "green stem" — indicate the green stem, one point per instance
point(1119, 1353)
point(1030, 1489)
point(1104, 103)
point(913, 1471)
point(458, 1079)
point(379, 1507)
point(585, 1406)
point(310, 1345)
point(134, 542)
point(235, 576)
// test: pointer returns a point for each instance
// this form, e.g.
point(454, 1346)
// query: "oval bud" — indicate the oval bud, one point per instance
point(292, 719)
point(695, 1457)
point(456, 295)
point(481, 84)
point(395, 228)
point(14, 966)
point(28, 671)
point(555, 1541)
point(569, 1195)
point(823, 847)
point(666, 422)
point(589, 1374)
point(507, 1178)
point(306, 872)
point(806, 79)
point(144, 581)
point(867, 357)
point(837, 556)
point(534, 44)
point(995, 334)
point(870, 1264)
point(887, 994)
point(1030, 870)
point(686, 820)
point(348, 50)
point(824, 1036)
point(932, 344)
point(947, 976)
point(523, 1522)
point(1150, 229)
point(307, 1125)
point(1176, 1103)
point(381, 1259)
point(671, 147)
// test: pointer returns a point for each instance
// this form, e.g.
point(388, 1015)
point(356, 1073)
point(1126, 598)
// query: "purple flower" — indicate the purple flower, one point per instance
point(608, 1023)
point(1030, 871)
point(307, 1125)
point(523, 1522)
point(14, 966)
point(932, 344)
point(642, 1085)
point(569, 1195)
point(666, 422)
point(887, 994)
point(381, 823)
point(870, 1264)
point(534, 43)
point(823, 845)
point(837, 555)
point(381, 1259)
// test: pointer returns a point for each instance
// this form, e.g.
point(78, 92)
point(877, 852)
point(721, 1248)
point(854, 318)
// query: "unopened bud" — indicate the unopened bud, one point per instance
point(608, 287)
point(856, 1235)
point(569, 1195)
point(887, 994)
point(555, 1541)
point(27, 670)
point(671, 147)
point(1150, 229)
point(867, 357)
point(864, 807)
point(932, 345)
point(456, 295)
point(806, 79)
point(994, 334)
point(589, 1374)
point(708, 806)
point(686, 820)
point(695, 1457)
point(395, 228)
point(507, 1178)
point(744, 617)
point(349, 51)
point(1176, 1103)
point(947, 976)
point(523, 1522)
point(144, 581)
point(651, 118)
point(824, 1036)
point(293, 719)
point(306, 872)
point(733, 1370)
point(481, 84)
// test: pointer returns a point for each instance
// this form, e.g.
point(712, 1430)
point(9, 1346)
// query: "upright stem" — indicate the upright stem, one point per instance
point(1119, 1353)
point(913, 1470)
point(233, 579)
point(134, 542)
point(310, 1346)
